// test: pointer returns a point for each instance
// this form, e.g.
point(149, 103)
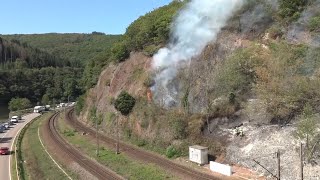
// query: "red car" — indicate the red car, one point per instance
point(4, 150)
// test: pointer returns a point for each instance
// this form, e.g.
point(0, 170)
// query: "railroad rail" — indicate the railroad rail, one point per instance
point(94, 168)
point(137, 153)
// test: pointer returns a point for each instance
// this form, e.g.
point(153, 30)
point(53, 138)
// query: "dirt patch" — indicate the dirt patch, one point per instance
point(83, 174)
point(261, 144)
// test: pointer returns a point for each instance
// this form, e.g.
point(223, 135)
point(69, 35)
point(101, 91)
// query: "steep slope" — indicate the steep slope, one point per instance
point(261, 75)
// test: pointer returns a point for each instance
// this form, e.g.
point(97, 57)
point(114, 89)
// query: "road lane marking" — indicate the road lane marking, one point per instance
point(15, 154)
point(51, 156)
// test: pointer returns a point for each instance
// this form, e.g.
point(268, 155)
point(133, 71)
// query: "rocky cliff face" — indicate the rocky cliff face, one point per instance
point(194, 83)
point(202, 115)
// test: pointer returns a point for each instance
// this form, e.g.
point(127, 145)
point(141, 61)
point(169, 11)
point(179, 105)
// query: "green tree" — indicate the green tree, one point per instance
point(291, 9)
point(45, 99)
point(124, 103)
point(119, 52)
point(19, 104)
point(307, 125)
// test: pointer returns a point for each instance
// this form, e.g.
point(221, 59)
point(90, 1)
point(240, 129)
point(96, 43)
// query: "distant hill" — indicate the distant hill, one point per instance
point(14, 54)
point(32, 73)
point(78, 48)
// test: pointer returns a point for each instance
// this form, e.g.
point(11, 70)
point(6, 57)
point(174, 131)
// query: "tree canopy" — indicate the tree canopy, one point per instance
point(124, 103)
point(19, 104)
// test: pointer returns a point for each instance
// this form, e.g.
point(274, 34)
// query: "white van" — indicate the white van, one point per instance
point(38, 109)
point(14, 119)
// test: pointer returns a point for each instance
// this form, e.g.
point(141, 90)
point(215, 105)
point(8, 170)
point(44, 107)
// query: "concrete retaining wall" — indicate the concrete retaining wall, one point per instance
point(220, 168)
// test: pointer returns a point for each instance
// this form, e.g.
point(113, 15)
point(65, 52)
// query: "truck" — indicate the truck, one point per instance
point(38, 109)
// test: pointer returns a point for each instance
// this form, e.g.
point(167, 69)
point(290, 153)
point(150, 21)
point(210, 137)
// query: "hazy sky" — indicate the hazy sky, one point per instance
point(66, 16)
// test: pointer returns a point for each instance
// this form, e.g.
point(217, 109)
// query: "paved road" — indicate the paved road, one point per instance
point(6, 140)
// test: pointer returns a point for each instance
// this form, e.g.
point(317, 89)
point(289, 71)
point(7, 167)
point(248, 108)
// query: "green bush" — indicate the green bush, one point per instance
point(119, 52)
point(19, 104)
point(314, 23)
point(124, 103)
point(172, 152)
point(69, 132)
point(291, 9)
point(141, 142)
point(307, 126)
point(80, 104)
point(179, 128)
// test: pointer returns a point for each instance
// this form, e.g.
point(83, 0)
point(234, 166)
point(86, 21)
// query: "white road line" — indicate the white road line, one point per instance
point(15, 155)
point(4, 134)
point(51, 157)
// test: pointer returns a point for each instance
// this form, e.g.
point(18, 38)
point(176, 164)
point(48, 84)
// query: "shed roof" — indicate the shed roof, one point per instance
point(198, 147)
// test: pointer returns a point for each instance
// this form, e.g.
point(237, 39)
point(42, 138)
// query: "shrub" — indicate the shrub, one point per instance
point(124, 103)
point(69, 132)
point(314, 23)
point(141, 142)
point(19, 104)
point(291, 9)
point(172, 152)
point(119, 52)
point(308, 124)
point(179, 128)
point(80, 104)
point(151, 50)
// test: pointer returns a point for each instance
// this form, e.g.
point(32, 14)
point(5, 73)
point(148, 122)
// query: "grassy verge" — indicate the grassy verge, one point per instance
point(13, 164)
point(37, 164)
point(18, 150)
point(120, 163)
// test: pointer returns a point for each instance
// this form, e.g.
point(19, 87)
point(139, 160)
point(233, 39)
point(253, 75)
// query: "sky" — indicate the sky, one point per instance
point(72, 16)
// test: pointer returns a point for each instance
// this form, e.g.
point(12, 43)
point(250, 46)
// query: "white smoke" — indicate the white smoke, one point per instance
point(195, 26)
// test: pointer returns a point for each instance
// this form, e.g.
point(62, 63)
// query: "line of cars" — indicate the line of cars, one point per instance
point(12, 121)
point(6, 126)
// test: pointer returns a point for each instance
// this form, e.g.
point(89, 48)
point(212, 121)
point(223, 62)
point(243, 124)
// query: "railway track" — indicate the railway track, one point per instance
point(94, 168)
point(182, 171)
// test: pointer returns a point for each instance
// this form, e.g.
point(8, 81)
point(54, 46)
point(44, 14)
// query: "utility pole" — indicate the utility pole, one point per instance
point(301, 162)
point(97, 134)
point(278, 157)
point(117, 143)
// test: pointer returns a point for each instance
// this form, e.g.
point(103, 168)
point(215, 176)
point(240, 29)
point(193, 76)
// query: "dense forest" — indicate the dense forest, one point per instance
point(77, 48)
point(31, 73)
point(48, 68)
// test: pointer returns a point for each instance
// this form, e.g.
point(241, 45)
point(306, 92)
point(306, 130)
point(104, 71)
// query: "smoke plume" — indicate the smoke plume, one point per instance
point(195, 26)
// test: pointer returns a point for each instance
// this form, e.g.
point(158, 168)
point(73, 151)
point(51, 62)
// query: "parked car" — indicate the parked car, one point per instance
point(6, 125)
point(4, 151)
point(9, 122)
point(14, 119)
point(2, 128)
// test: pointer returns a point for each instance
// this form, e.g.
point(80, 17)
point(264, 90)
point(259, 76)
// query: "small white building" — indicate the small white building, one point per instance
point(198, 154)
